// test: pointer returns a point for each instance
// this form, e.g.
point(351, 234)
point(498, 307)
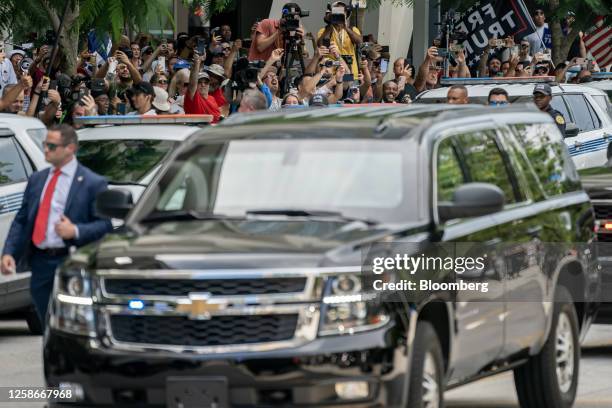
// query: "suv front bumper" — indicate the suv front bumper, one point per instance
point(304, 376)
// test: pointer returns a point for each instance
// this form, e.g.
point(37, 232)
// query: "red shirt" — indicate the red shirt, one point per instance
point(267, 27)
point(219, 97)
point(201, 106)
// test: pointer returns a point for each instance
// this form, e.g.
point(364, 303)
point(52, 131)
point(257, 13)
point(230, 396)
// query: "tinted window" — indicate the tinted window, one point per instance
point(548, 157)
point(361, 178)
point(580, 112)
point(123, 161)
point(449, 174)
point(37, 135)
point(594, 116)
point(11, 167)
point(485, 163)
point(558, 104)
point(604, 102)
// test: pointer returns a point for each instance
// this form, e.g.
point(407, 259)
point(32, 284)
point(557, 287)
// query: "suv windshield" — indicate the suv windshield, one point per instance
point(359, 178)
point(123, 161)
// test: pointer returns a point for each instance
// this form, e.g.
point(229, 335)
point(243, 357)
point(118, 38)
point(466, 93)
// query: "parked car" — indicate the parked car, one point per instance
point(583, 106)
point(129, 156)
point(19, 157)
point(234, 280)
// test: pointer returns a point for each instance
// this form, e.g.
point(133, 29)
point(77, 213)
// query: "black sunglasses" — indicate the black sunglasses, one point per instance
point(162, 81)
point(52, 146)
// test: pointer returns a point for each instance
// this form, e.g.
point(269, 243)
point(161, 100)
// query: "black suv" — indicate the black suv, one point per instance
point(234, 282)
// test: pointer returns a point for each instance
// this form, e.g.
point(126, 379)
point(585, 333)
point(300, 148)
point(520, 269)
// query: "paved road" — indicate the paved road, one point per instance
point(21, 365)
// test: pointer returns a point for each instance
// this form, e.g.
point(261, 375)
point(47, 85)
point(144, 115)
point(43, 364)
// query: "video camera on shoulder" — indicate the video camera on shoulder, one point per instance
point(245, 73)
point(291, 15)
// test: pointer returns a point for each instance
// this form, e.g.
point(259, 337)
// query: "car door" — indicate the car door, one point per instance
point(589, 148)
point(478, 317)
point(14, 171)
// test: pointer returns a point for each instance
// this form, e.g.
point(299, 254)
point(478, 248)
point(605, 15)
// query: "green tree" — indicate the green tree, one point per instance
point(113, 16)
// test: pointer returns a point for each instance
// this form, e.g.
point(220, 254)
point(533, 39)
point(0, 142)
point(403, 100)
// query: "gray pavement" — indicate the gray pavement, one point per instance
point(21, 365)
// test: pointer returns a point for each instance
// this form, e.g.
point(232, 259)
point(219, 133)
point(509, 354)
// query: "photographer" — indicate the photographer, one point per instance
point(197, 99)
point(16, 56)
point(339, 33)
point(270, 33)
point(427, 77)
point(492, 66)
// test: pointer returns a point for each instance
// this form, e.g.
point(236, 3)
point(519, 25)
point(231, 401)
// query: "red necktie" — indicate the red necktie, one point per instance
point(42, 217)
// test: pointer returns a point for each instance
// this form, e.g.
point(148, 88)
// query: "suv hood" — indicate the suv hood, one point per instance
point(238, 243)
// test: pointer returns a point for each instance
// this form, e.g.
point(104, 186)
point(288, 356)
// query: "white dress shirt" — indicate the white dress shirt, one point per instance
point(58, 203)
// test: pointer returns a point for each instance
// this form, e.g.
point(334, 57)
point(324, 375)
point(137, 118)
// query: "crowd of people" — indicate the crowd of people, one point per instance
point(218, 75)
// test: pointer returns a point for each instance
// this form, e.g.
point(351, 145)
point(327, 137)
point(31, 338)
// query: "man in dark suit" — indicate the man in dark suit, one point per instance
point(57, 213)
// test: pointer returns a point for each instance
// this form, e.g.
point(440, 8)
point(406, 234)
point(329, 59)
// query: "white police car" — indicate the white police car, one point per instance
point(20, 156)
point(129, 150)
point(583, 106)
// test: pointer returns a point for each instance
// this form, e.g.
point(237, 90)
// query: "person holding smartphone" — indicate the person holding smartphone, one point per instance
point(339, 32)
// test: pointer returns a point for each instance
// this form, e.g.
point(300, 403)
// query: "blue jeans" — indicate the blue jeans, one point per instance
point(41, 283)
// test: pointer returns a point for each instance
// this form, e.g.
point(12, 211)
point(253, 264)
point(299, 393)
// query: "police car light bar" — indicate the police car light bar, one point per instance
point(497, 80)
point(601, 75)
point(144, 120)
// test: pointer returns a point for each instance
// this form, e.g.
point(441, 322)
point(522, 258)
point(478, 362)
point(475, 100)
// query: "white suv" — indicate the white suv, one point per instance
point(586, 107)
point(20, 156)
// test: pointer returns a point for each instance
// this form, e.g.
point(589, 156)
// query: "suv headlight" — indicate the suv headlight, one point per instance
point(346, 309)
point(72, 305)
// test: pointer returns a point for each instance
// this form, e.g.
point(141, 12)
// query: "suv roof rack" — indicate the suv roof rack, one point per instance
point(144, 120)
point(551, 80)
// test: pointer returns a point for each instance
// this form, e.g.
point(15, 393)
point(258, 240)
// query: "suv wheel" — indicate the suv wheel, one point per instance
point(33, 321)
point(550, 379)
point(426, 370)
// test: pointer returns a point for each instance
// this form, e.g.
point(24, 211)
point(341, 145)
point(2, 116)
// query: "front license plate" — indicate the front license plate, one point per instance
point(197, 392)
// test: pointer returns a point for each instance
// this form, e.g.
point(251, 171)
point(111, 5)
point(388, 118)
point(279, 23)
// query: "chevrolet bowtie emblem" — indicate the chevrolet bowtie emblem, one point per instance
point(200, 306)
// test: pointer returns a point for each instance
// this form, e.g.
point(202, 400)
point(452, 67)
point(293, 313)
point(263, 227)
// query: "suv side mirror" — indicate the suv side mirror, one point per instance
point(472, 200)
point(571, 130)
point(114, 203)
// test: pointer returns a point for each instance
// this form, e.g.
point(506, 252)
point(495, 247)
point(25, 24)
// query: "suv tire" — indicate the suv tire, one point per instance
point(427, 369)
point(33, 322)
point(550, 378)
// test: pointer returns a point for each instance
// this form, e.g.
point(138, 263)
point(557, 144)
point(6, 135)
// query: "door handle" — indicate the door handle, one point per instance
point(2, 206)
point(577, 144)
point(534, 232)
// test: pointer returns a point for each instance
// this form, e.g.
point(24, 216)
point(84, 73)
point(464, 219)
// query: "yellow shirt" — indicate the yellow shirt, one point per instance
point(346, 47)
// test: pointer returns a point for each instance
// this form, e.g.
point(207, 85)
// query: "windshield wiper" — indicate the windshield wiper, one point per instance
point(289, 212)
point(182, 215)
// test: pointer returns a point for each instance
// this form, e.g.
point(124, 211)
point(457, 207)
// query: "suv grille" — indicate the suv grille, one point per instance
point(603, 212)
point(216, 287)
point(218, 331)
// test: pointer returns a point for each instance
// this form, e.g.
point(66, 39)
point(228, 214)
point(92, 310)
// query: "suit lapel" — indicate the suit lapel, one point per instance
point(37, 191)
point(77, 182)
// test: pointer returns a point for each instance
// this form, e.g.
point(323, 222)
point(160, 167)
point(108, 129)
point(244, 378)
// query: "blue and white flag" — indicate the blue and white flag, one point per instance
point(101, 46)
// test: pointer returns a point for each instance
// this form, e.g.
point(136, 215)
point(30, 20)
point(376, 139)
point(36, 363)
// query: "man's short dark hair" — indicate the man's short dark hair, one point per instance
point(497, 91)
point(460, 87)
point(69, 135)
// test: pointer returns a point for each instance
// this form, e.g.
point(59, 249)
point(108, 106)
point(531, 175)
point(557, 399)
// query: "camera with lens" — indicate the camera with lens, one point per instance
point(127, 51)
point(291, 15)
point(330, 64)
point(245, 73)
point(25, 64)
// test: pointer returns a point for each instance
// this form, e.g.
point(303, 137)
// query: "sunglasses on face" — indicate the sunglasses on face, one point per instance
point(497, 103)
point(51, 146)
point(162, 81)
